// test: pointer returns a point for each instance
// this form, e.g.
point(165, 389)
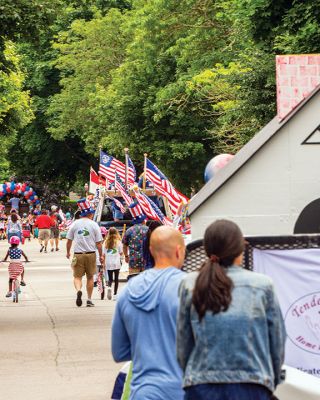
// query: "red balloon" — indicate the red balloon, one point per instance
point(8, 190)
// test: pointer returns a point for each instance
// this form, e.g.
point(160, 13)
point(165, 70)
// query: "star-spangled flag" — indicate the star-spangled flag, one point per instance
point(132, 169)
point(135, 209)
point(109, 165)
point(150, 208)
point(118, 203)
point(163, 186)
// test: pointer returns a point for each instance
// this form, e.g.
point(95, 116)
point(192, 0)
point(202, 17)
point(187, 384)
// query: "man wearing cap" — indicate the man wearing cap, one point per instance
point(87, 238)
point(133, 244)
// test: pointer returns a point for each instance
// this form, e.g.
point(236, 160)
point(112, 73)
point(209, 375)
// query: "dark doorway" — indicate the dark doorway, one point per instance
point(309, 219)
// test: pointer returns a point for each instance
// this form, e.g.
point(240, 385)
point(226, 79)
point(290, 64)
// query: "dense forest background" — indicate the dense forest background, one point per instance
point(182, 80)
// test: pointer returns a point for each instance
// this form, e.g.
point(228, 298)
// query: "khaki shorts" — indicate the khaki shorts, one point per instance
point(54, 233)
point(84, 264)
point(44, 234)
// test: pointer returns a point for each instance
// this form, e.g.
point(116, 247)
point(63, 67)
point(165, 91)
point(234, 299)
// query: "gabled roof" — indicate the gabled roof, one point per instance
point(244, 155)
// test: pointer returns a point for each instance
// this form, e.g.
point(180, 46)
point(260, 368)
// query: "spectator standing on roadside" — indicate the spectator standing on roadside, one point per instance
point(230, 331)
point(133, 244)
point(44, 223)
point(144, 324)
point(86, 235)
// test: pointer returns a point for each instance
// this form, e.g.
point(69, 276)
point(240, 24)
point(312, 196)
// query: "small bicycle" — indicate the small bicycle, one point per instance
point(15, 271)
point(101, 283)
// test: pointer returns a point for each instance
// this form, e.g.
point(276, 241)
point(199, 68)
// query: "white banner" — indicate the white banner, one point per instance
point(296, 276)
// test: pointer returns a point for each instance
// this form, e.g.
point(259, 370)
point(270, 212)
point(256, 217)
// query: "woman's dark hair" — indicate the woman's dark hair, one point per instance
point(14, 218)
point(223, 242)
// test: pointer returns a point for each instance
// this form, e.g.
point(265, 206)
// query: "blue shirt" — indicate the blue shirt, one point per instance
point(15, 202)
point(144, 331)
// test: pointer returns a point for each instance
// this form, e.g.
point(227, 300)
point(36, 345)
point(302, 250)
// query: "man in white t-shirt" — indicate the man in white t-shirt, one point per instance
point(86, 235)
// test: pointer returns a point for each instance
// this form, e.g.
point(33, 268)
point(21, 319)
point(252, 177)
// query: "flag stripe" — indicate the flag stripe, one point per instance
point(164, 186)
point(135, 211)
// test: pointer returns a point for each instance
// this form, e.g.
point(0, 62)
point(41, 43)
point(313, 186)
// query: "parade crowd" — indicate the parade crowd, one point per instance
point(214, 334)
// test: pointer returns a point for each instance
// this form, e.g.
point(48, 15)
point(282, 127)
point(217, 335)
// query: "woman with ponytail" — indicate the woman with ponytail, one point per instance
point(230, 333)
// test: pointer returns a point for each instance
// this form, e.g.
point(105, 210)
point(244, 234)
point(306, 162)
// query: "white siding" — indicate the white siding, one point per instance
point(266, 196)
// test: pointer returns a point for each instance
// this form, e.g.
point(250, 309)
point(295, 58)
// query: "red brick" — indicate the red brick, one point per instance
point(282, 60)
point(315, 81)
point(308, 70)
point(299, 81)
point(298, 60)
point(314, 59)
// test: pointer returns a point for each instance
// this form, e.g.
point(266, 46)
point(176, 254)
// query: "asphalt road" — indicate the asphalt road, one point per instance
point(49, 348)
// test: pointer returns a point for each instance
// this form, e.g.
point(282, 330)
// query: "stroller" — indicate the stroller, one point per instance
point(26, 231)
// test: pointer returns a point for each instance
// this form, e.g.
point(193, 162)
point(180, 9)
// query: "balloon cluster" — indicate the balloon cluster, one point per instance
point(19, 189)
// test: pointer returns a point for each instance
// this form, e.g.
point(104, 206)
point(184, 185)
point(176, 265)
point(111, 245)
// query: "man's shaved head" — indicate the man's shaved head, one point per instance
point(167, 243)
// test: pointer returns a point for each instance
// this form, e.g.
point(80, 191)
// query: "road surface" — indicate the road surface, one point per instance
point(49, 348)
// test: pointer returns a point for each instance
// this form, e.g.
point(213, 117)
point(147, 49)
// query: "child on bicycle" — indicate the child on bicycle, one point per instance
point(14, 254)
point(113, 253)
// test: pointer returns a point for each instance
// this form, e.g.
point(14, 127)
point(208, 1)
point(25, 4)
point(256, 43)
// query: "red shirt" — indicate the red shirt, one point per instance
point(44, 222)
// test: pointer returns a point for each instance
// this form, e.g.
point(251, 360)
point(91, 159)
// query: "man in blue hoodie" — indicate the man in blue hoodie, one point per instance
point(144, 324)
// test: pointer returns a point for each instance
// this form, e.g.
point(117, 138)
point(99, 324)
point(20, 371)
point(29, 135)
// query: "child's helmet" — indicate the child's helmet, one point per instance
point(24, 214)
point(14, 240)
point(68, 215)
point(104, 231)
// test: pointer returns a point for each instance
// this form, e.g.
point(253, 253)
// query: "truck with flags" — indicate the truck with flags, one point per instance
point(116, 188)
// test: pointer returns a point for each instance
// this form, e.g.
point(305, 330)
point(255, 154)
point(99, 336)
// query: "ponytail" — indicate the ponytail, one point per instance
point(212, 291)
point(223, 243)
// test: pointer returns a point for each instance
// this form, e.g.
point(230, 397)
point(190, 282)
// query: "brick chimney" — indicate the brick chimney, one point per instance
point(297, 76)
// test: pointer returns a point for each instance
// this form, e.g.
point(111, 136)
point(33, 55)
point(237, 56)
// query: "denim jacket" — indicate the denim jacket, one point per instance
point(243, 344)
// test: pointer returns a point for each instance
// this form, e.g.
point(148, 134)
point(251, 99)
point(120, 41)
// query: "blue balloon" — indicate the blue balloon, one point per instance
point(12, 186)
point(27, 188)
point(31, 197)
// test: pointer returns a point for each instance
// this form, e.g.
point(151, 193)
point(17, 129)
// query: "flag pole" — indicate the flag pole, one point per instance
point(126, 150)
point(145, 172)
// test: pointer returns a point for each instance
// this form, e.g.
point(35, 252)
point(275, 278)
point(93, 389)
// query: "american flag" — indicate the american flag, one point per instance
point(151, 210)
point(109, 165)
point(135, 209)
point(118, 203)
point(131, 170)
point(163, 186)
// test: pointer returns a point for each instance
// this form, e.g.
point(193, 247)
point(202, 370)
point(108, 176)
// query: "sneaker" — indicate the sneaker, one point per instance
point(9, 294)
point(114, 298)
point(45, 250)
point(41, 250)
point(52, 250)
point(79, 299)
point(109, 294)
point(89, 303)
point(22, 283)
point(57, 249)
point(95, 284)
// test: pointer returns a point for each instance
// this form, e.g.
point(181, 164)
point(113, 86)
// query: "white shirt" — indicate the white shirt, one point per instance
point(112, 257)
point(85, 233)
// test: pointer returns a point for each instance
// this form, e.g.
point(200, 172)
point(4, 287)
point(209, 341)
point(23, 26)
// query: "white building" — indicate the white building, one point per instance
point(272, 185)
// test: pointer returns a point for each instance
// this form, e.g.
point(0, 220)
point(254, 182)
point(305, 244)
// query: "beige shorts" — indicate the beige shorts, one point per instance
point(84, 264)
point(44, 234)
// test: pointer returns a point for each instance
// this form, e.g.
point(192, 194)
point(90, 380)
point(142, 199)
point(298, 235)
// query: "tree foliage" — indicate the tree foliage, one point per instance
point(181, 80)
